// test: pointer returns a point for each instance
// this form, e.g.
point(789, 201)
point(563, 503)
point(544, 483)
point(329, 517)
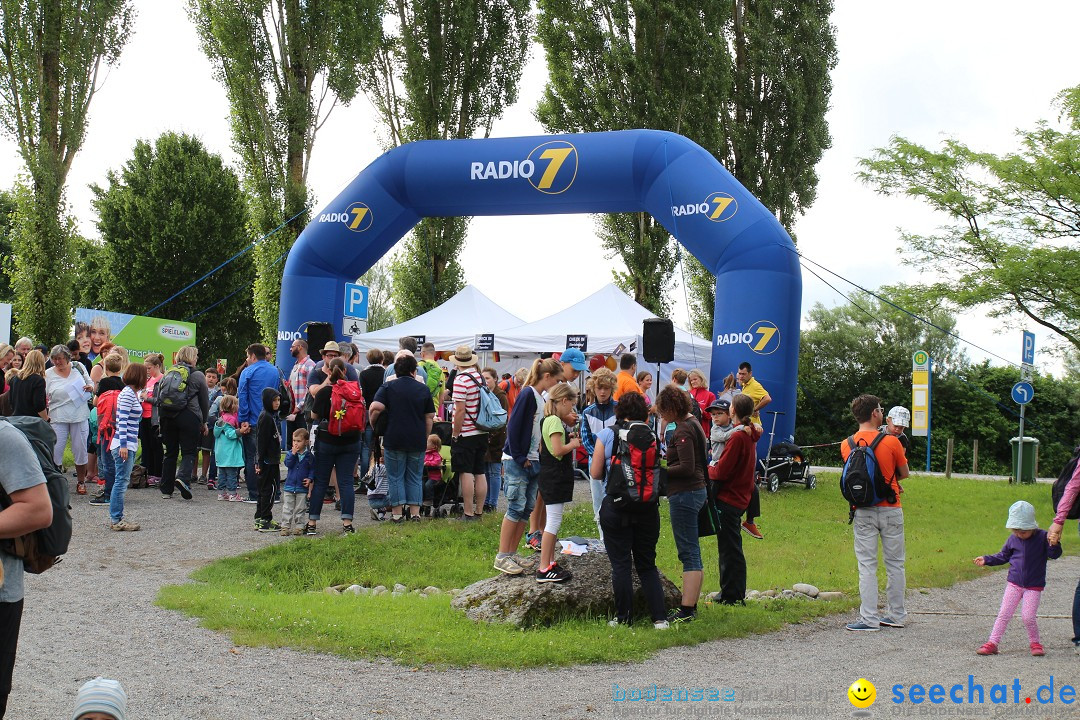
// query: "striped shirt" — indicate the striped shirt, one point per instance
point(467, 390)
point(298, 381)
point(128, 414)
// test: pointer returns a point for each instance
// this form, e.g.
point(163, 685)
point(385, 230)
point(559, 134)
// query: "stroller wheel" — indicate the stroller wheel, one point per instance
point(811, 482)
point(773, 482)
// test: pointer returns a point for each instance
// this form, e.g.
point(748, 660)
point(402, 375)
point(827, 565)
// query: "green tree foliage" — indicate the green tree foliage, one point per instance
point(172, 213)
point(7, 213)
point(443, 70)
point(1010, 242)
point(748, 80)
point(379, 283)
point(284, 65)
point(52, 52)
point(88, 260)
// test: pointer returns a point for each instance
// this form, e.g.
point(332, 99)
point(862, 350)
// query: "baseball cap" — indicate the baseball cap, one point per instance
point(720, 405)
point(900, 416)
point(575, 357)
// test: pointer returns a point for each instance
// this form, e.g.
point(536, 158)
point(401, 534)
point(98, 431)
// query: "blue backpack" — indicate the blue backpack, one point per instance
point(861, 482)
point(490, 415)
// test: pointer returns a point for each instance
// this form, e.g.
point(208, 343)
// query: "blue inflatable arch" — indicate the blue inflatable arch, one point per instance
point(758, 282)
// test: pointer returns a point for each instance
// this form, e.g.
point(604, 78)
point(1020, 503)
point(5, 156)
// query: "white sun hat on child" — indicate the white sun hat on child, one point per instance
point(1022, 516)
point(101, 695)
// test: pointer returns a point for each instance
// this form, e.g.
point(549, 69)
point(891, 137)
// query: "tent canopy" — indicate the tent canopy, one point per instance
point(456, 322)
point(609, 319)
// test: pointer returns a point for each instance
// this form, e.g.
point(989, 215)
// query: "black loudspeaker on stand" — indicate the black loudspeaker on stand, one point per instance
point(658, 340)
point(318, 334)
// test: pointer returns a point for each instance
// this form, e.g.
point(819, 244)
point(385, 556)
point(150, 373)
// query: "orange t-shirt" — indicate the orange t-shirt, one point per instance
point(625, 383)
point(889, 454)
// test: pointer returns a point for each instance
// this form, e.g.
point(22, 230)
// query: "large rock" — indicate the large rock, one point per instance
point(520, 600)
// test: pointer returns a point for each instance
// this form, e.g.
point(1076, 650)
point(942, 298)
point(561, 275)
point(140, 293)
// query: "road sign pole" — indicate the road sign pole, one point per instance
point(929, 405)
point(1020, 449)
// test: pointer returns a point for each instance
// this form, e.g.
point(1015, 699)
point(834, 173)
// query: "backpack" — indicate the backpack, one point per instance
point(106, 412)
point(41, 549)
point(635, 477)
point(347, 410)
point(490, 415)
point(285, 393)
point(861, 481)
point(171, 391)
point(434, 379)
point(1058, 491)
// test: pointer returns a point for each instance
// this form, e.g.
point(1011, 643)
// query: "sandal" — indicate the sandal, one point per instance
point(80, 488)
point(347, 529)
point(309, 530)
point(414, 518)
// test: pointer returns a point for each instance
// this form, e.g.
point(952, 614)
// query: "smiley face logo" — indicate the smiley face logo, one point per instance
point(862, 693)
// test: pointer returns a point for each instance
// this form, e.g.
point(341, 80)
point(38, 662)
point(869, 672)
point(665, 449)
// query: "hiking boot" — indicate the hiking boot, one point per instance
point(752, 530)
point(988, 648)
point(185, 489)
point(553, 574)
point(99, 500)
point(124, 525)
point(508, 566)
point(861, 627)
point(681, 615)
point(1037, 650)
point(889, 622)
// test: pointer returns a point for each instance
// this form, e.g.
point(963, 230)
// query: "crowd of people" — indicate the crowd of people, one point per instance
point(423, 434)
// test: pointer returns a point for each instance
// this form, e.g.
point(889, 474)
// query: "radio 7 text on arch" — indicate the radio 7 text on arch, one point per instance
point(758, 281)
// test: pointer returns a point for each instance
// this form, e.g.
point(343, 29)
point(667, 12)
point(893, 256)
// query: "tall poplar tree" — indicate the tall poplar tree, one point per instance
point(51, 53)
point(284, 65)
point(444, 69)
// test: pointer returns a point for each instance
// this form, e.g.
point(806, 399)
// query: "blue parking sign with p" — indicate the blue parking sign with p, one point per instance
point(1029, 348)
point(356, 301)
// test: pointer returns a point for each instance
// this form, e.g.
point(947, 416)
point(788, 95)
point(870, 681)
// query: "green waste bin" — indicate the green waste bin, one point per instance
point(1027, 472)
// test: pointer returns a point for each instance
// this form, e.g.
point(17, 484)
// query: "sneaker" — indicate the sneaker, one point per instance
point(661, 625)
point(185, 489)
point(201, 480)
point(166, 496)
point(1037, 650)
point(1076, 648)
point(414, 518)
point(533, 540)
point(469, 518)
point(508, 566)
point(889, 622)
point(153, 481)
point(616, 622)
point(223, 496)
point(988, 648)
point(250, 501)
point(489, 508)
point(267, 526)
point(862, 627)
point(211, 485)
point(349, 529)
point(681, 615)
point(376, 515)
point(553, 574)
point(236, 497)
point(99, 500)
point(310, 530)
point(752, 530)
point(124, 525)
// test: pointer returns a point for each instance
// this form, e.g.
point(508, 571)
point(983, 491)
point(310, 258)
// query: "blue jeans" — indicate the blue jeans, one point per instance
point(494, 480)
point(520, 486)
point(250, 479)
point(107, 470)
point(366, 441)
point(403, 470)
point(229, 479)
point(120, 484)
point(327, 458)
point(683, 509)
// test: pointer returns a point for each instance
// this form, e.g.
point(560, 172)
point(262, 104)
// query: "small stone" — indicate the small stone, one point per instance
point(396, 593)
point(332, 591)
point(712, 597)
point(354, 589)
point(802, 596)
point(363, 590)
point(752, 594)
point(379, 590)
point(454, 592)
point(432, 590)
point(340, 588)
point(416, 591)
point(398, 587)
point(768, 593)
point(423, 595)
point(806, 589)
point(830, 595)
point(787, 594)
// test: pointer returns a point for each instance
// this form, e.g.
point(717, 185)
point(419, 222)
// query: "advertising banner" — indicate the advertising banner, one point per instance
point(139, 335)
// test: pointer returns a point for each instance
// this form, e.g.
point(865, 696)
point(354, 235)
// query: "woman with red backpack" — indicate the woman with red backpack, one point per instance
point(337, 432)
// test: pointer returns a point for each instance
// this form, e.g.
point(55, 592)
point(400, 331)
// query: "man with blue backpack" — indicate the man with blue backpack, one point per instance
point(874, 465)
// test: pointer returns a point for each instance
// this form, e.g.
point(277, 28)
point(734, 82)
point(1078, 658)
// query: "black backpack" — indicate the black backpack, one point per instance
point(861, 482)
point(635, 477)
point(173, 390)
point(41, 549)
point(1058, 491)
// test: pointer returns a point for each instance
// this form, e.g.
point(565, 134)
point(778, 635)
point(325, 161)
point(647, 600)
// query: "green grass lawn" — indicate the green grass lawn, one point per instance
point(273, 596)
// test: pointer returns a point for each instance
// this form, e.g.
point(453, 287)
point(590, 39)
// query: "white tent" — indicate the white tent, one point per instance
point(612, 324)
point(456, 322)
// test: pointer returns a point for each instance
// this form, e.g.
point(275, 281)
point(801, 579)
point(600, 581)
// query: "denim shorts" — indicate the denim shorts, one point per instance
point(683, 509)
point(520, 486)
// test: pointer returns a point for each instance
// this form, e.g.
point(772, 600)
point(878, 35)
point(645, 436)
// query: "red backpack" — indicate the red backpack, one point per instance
point(106, 412)
point(347, 410)
point(635, 477)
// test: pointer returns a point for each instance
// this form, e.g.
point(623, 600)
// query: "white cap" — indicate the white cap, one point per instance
point(900, 416)
point(1022, 516)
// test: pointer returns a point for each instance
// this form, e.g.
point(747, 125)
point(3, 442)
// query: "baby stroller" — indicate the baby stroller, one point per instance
point(438, 494)
point(784, 462)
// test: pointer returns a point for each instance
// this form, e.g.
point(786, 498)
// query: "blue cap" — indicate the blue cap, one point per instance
point(575, 357)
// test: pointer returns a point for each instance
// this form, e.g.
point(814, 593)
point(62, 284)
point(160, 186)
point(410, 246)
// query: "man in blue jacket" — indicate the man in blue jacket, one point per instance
point(258, 375)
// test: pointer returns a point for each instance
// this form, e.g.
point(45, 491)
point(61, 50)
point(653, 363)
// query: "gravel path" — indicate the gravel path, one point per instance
point(94, 615)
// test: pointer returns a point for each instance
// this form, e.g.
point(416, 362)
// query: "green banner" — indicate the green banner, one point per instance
point(97, 329)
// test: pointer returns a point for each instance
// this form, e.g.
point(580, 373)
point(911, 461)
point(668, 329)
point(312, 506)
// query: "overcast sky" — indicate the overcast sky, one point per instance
point(923, 70)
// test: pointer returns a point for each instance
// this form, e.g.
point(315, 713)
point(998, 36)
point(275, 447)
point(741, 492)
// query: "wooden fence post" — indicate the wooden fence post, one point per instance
point(948, 459)
point(975, 457)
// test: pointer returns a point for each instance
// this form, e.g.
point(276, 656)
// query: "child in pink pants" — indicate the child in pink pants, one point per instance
point(1026, 551)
